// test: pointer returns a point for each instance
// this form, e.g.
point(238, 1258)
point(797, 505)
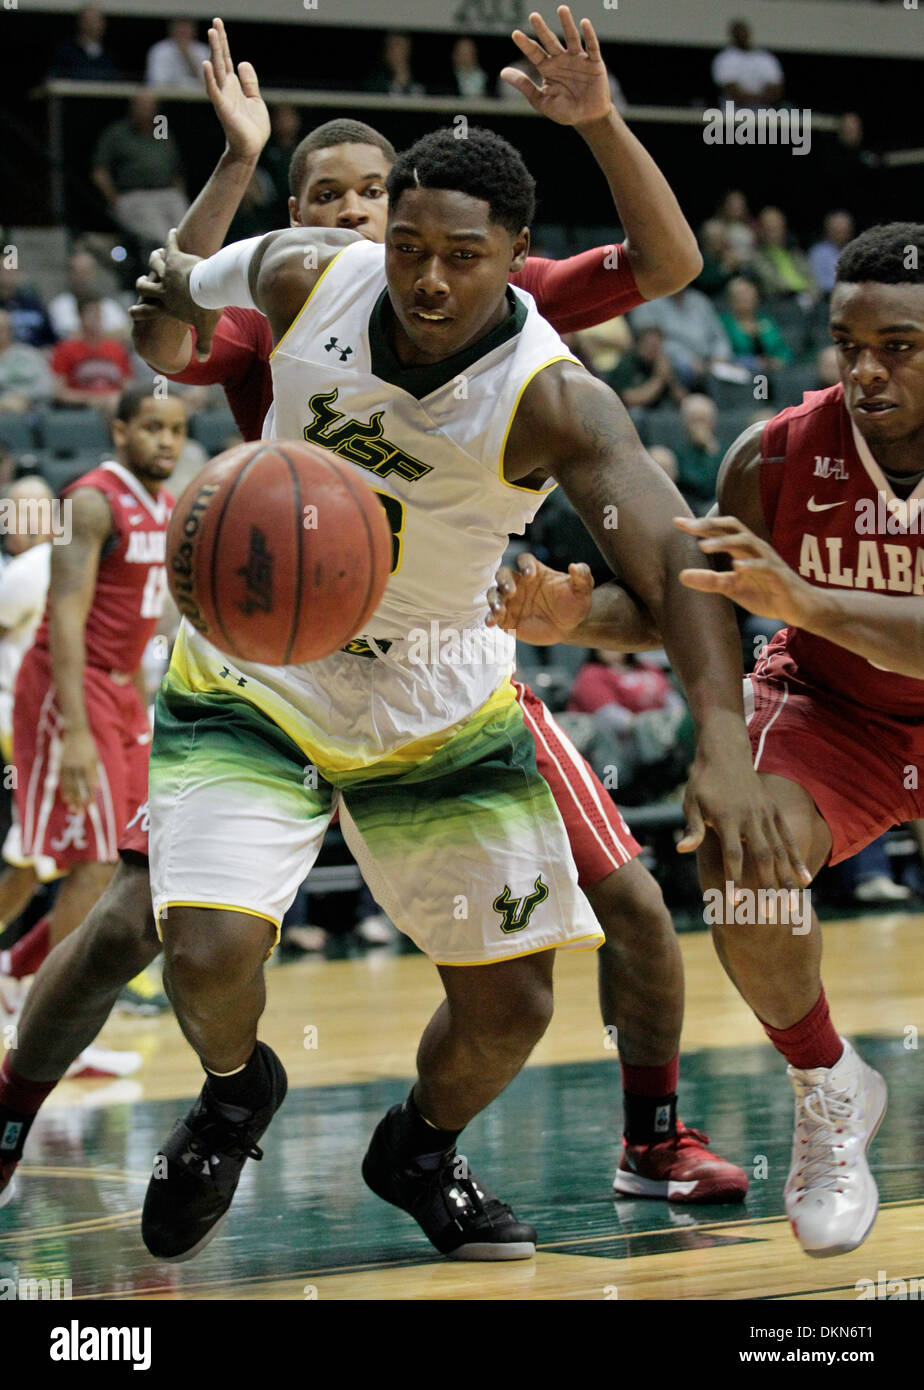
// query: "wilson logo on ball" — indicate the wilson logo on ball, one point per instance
point(252, 579)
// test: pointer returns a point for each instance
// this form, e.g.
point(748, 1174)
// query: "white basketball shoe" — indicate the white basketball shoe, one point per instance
point(830, 1196)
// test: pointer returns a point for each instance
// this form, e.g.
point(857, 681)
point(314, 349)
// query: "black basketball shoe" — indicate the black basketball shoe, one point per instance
point(456, 1211)
point(197, 1171)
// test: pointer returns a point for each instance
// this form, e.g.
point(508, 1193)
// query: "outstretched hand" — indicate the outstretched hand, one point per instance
point(760, 580)
point(235, 97)
point(541, 605)
point(575, 83)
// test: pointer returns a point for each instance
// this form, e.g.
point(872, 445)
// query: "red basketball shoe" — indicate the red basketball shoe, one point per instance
point(679, 1169)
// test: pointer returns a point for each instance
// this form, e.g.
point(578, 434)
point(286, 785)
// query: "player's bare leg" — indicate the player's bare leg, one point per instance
point(83, 887)
point(640, 981)
point(639, 968)
point(472, 1048)
point(480, 1036)
point(213, 973)
point(18, 885)
point(72, 996)
point(76, 989)
point(830, 1195)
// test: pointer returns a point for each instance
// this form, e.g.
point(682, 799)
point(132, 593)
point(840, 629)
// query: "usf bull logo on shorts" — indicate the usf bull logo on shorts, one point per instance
point(516, 912)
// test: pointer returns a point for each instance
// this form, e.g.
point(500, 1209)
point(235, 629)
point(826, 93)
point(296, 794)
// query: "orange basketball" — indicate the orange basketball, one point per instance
point(278, 553)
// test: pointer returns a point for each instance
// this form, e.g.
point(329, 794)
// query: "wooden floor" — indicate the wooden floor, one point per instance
point(304, 1225)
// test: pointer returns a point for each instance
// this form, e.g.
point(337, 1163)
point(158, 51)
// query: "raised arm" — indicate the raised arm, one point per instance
point(659, 244)
point(70, 596)
point(273, 273)
point(166, 344)
point(577, 431)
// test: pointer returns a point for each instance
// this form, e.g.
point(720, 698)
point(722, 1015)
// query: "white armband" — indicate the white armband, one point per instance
point(222, 279)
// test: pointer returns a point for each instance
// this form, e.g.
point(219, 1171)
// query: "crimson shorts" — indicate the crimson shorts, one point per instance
point(863, 770)
point(119, 725)
point(599, 837)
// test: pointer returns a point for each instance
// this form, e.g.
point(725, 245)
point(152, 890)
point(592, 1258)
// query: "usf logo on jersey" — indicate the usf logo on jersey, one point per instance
point(365, 445)
point(516, 912)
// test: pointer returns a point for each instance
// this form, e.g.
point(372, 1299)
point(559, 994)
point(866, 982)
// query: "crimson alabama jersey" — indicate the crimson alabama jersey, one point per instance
point(834, 517)
point(132, 578)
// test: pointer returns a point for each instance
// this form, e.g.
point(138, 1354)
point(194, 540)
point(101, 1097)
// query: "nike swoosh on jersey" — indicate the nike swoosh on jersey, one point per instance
point(814, 506)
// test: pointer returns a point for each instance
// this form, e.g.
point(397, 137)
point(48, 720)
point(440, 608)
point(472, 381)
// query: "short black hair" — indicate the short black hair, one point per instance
point(340, 132)
point(882, 254)
point(481, 165)
point(132, 399)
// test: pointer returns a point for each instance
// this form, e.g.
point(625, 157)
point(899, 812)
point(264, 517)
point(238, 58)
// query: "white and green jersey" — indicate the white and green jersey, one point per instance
point(430, 441)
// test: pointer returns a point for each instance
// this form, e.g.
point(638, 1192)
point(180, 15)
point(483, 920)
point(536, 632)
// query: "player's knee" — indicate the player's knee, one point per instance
point(212, 956)
point(119, 932)
point(630, 912)
point(517, 1020)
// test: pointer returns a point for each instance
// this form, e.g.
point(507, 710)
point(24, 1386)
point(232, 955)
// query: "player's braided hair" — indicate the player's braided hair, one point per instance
point(892, 254)
point(482, 165)
point(340, 132)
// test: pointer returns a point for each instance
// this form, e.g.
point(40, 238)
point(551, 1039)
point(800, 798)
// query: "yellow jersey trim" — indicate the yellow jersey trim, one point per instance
point(535, 492)
point(222, 907)
point(596, 941)
point(308, 300)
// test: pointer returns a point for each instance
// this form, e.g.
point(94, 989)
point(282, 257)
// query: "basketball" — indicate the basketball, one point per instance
point(278, 553)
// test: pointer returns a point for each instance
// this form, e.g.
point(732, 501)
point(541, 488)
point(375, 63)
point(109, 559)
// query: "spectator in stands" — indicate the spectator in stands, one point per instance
point(91, 368)
point(721, 258)
point(510, 94)
point(620, 679)
point(602, 347)
point(469, 78)
point(257, 211)
point(823, 256)
point(665, 458)
point(394, 74)
point(756, 340)
point(139, 174)
point(693, 334)
point(827, 368)
point(699, 456)
point(646, 375)
point(177, 60)
point(25, 379)
point(735, 215)
point(84, 279)
point(286, 132)
point(852, 172)
point(82, 58)
point(28, 314)
point(778, 265)
point(749, 77)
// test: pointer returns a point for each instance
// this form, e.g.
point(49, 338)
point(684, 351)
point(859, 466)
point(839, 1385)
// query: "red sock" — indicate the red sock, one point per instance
point(649, 1098)
point(19, 1094)
point(29, 952)
point(812, 1042)
point(651, 1081)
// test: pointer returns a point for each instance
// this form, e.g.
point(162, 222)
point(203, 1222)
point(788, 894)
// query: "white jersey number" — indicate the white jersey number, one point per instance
point(155, 589)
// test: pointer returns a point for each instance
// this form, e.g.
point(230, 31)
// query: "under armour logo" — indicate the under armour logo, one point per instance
point(333, 344)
